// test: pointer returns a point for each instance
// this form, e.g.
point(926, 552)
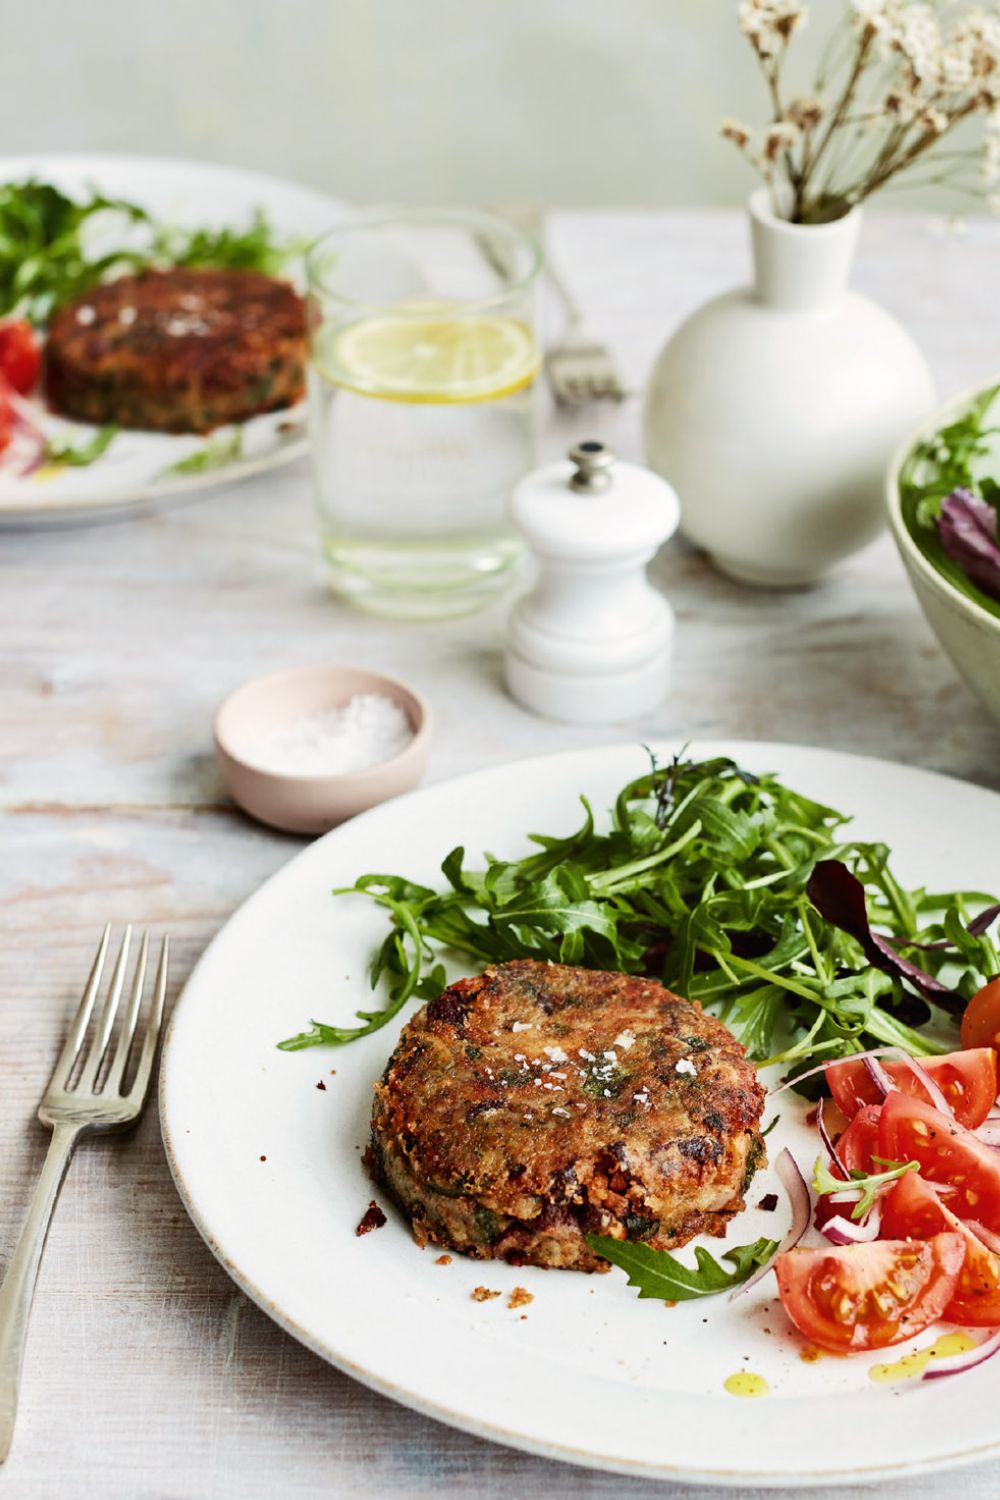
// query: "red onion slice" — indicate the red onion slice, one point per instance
point(800, 1198)
point(984, 1235)
point(957, 1364)
point(988, 1132)
point(919, 1071)
point(779, 1088)
point(822, 1067)
point(846, 1232)
point(877, 1074)
point(831, 1149)
point(26, 450)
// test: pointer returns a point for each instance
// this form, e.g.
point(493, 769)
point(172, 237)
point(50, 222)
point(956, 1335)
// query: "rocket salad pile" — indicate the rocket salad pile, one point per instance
point(733, 890)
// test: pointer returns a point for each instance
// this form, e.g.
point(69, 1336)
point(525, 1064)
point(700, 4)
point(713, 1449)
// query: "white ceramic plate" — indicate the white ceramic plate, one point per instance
point(269, 1167)
point(134, 471)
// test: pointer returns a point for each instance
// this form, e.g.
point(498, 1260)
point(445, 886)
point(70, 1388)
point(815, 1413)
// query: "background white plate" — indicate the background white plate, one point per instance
point(186, 193)
point(269, 1168)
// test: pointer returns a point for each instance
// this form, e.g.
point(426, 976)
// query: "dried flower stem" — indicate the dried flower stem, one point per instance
point(894, 94)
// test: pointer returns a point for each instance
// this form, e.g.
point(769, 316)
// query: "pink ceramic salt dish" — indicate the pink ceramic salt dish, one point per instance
point(312, 804)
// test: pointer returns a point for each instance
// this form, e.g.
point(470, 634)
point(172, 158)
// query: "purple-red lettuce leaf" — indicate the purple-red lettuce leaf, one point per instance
point(967, 528)
point(839, 897)
point(980, 925)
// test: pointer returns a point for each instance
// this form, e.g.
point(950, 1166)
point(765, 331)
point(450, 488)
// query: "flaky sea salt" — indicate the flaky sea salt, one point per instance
point(365, 731)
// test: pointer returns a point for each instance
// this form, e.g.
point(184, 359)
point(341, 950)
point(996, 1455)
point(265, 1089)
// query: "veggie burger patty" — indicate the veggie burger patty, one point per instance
point(178, 350)
point(536, 1104)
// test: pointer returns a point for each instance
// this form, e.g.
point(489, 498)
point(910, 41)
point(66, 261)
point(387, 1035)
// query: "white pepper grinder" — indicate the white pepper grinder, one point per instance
point(590, 642)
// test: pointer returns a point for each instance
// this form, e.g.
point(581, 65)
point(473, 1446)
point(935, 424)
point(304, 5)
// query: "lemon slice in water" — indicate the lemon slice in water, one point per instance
point(432, 356)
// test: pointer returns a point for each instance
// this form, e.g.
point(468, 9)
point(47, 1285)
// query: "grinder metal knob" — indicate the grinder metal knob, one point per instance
point(592, 461)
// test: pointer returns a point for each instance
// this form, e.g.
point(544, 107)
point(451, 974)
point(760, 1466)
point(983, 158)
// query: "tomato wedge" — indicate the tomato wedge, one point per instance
point(981, 1021)
point(860, 1141)
point(914, 1211)
point(968, 1080)
point(910, 1130)
point(20, 355)
point(869, 1296)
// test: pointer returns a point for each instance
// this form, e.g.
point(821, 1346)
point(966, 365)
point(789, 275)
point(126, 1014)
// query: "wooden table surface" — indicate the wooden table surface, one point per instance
point(148, 1374)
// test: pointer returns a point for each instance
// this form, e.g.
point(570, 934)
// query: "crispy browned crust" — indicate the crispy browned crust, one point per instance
point(516, 1143)
point(178, 351)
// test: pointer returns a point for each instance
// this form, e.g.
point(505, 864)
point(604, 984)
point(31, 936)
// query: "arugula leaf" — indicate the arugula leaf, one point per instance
point(83, 454)
point(251, 249)
point(44, 260)
point(215, 454)
point(867, 1184)
point(657, 1273)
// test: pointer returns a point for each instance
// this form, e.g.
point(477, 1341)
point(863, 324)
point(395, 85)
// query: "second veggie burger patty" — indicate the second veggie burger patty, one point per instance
point(179, 350)
point(528, 1107)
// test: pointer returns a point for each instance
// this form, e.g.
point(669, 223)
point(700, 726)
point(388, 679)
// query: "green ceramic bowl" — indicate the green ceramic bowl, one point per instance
point(969, 633)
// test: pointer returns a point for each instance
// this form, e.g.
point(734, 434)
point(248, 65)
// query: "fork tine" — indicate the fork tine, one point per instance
point(143, 1073)
point(99, 1045)
point(112, 1084)
point(77, 1032)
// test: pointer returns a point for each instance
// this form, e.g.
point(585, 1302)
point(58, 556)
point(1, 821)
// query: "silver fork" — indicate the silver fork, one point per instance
point(95, 1101)
point(580, 368)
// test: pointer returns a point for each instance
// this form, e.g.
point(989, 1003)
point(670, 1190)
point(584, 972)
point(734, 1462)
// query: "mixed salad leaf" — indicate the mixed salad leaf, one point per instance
point(951, 509)
point(47, 240)
point(215, 454)
point(657, 1273)
point(721, 884)
point(79, 455)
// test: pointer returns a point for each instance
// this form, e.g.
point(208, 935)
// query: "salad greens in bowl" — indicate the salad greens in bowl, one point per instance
point(944, 510)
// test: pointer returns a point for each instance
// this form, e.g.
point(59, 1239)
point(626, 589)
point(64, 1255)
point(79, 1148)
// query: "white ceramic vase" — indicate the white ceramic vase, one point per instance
point(774, 410)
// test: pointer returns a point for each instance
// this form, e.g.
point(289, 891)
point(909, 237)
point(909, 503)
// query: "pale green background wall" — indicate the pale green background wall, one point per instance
point(571, 102)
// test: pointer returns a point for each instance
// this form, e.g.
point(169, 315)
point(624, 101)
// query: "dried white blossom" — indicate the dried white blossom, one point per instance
point(932, 120)
point(918, 38)
point(770, 24)
point(956, 68)
point(882, 16)
point(735, 131)
point(781, 136)
point(805, 113)
point(901, 107)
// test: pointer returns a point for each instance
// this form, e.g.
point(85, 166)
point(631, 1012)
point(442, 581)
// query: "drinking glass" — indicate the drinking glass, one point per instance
point(423, 366)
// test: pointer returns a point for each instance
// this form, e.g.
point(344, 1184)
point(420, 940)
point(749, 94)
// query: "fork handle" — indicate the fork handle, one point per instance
point(530, 219)
point(571, 309)
point(19, 1283)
